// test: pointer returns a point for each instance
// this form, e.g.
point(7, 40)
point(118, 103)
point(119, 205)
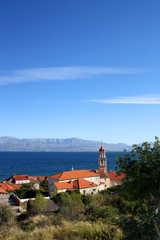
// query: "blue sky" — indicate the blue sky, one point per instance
point(88, 69)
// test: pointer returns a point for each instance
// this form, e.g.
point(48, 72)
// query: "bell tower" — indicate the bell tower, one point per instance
point(102, 160)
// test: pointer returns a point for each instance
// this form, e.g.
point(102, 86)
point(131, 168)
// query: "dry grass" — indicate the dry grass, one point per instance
point(67, 231)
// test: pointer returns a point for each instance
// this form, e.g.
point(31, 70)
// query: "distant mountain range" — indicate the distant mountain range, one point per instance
point(56, 145)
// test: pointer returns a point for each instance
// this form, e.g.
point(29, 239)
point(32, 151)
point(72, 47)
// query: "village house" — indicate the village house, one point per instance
point(17, 181)
point(5, 188)
point(86, 181)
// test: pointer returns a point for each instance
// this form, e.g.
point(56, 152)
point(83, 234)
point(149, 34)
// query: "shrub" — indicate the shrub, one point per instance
point(70, 231)
point(70, 205)
point(56, 219)
point(94, 212)
point(6, 215)
point(97, 199)
point(62, 199)
point(38, 205)
point(44, 185)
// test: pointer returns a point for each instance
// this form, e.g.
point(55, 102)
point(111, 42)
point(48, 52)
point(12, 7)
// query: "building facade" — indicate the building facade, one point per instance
point(86, 181)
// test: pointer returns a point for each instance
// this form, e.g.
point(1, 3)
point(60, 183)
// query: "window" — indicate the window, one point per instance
point(94, 191)
point(84, 191)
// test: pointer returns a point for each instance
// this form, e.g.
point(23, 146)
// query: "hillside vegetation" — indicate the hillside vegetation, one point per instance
point(78, 217)
point(129, 212)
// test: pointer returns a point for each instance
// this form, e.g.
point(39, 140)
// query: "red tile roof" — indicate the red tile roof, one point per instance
point(74, 175)
point(64, 185)
point(2, 190)
point(33, 180)
point(76, 184)
point(100, 172)
point(85, 184)
point(114, 176)
point(40, 178)
point(16, 186)
point(21, 177)
point(101, 183)
point(56, 176)
point(102, 149)
point(7, 187)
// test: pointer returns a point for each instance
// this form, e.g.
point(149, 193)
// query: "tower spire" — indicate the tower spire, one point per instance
point(102, 160)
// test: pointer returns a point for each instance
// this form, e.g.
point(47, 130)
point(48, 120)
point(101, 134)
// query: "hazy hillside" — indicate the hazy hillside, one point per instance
point(51, 144)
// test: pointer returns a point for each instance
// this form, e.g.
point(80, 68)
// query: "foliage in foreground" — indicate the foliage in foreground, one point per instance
point(140, 192)
point(42, 228)
point(7, 216)
point(130, 211)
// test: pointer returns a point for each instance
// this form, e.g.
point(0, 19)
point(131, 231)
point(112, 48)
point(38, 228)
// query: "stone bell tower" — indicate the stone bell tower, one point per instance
point(102, 160)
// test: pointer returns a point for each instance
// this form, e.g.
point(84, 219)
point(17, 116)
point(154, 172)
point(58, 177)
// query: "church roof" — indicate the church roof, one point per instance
point(75, 185)
point(82, 183)
point(64, 185)
point(74, 175)
point(102, 149)
point(114, 176)
point(100, 172)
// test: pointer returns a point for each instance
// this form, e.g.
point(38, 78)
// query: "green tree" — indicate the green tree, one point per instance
point(70, 205)
point(142, 182)
point(44, 185)
point(26, 191)
point(38, 205)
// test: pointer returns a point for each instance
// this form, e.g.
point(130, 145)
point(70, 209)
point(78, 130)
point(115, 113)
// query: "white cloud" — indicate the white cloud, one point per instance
point(144, 99)
point(62, 73)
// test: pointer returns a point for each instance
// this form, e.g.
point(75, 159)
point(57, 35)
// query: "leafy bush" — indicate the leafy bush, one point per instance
point(94, 212)
point(70, 205)
point(62, 199)
point(44, 185)
point(36, 206)
point(138, 228)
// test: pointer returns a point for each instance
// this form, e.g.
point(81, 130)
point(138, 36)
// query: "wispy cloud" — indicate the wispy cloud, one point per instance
point(62, 73)
point(144, 99)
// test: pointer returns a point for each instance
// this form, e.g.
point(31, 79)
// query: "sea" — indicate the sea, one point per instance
point(49, 163)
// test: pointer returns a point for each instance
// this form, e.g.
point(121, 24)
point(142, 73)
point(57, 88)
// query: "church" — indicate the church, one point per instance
point(86, 181)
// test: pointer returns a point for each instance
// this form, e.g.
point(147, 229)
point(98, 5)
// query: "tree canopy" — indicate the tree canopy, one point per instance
point(142, 179)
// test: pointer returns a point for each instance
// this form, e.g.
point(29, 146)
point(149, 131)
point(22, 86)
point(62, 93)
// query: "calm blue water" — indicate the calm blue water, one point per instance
point(49, 163)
